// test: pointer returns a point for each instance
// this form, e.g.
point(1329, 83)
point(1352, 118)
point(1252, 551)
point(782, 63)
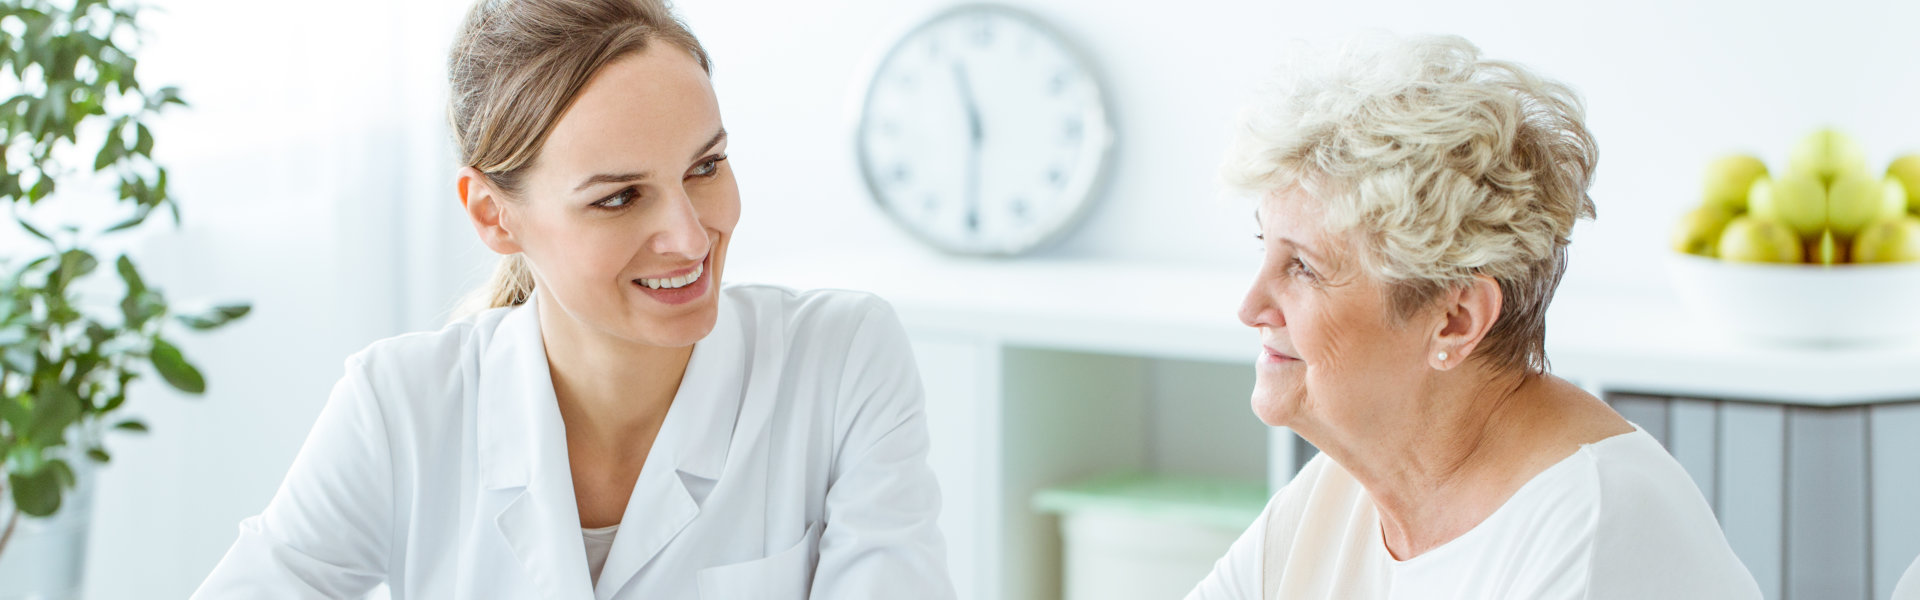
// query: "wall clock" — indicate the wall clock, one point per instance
point(983, 131)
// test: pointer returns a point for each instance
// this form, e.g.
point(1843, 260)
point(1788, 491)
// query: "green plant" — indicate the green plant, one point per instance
point(65, 363)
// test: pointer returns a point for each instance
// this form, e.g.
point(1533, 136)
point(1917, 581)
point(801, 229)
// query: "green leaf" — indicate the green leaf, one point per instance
point(33, 230)
point(31, 265)
point(15, 414)
point(84, 363)
point(164, 96)
point(36, 493)
point(77, 263)
point(114, 402)
point(54, 409)
point(62, 472)
point(133, 425)
point(130, 275)
point(74, 264)
point(139, 216)
point(174, 368)
point(99, 455)
point(139, 308)
point(143, 141)
point(41, 189)
point(109, 154)
point(98, 334)
point(218, 316)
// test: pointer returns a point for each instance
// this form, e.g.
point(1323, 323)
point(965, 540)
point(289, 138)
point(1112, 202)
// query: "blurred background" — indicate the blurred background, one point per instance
point(315, 179)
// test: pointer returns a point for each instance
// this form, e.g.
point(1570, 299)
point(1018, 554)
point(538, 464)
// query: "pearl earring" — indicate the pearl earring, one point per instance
point(1442, 356)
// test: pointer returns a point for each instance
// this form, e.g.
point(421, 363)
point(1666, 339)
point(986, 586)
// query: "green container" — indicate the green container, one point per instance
point(1199, 501)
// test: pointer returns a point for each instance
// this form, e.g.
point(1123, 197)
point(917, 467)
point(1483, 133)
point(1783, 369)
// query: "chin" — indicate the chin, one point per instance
point(680, 330)
point(1275, 408)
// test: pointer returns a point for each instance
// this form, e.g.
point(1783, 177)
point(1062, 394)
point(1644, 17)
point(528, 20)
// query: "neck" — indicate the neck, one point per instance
point(610, 390)
point(1445, 462)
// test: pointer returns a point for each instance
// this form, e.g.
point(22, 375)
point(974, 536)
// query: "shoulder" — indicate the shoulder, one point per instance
point(423, 371)
point(411, 354)
point(820, 329)
point(1652, 519)
point(807, 311)
point(1636, 479)
point(844, 358)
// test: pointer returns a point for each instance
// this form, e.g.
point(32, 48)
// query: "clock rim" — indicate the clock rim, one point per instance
point(1103, 167)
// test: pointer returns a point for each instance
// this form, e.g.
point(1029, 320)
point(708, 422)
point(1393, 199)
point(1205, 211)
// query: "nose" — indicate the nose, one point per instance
point(678, 231)
point(1258, 309)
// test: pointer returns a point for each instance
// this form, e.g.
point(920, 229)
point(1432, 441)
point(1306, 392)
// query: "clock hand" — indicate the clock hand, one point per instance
point(974, 136)
point(973, 107)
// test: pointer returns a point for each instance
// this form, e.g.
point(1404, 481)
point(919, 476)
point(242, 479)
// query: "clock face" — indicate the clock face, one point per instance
point(983, 132)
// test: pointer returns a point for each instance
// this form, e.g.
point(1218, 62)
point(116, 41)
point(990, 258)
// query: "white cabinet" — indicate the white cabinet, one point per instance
point(1040, 373)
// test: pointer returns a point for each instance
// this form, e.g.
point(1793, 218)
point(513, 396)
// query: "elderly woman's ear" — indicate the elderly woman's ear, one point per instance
point(1470, 311)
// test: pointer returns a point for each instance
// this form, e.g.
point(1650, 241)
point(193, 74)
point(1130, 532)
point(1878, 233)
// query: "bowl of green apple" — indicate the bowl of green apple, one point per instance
point(1823, 252)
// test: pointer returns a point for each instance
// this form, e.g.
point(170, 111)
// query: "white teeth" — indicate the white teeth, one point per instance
point(676, 282)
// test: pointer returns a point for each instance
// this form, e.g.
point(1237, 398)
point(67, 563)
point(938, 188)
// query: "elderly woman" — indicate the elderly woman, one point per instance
point(1415, 206)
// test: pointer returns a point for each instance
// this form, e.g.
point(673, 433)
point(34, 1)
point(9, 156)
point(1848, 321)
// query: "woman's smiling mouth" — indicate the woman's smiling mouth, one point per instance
point(687, 276)
point(679, 287)
point(1270, 356)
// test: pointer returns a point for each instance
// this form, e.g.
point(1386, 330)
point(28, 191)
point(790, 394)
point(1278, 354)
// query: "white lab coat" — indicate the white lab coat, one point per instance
point(792, 464)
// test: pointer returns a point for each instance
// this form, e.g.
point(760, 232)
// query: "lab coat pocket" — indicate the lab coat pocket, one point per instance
point(786, 574)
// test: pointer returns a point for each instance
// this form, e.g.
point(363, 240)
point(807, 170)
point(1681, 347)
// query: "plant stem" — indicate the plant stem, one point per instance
point(13, 519)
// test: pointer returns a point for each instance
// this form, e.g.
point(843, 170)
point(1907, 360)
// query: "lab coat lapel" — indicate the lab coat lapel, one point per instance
point(523, 454)
point(691, 448)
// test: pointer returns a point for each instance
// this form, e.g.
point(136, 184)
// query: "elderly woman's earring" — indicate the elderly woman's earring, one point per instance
point(1442, 356)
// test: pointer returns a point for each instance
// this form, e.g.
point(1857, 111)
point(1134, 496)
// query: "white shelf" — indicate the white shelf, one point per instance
point(1615, 342)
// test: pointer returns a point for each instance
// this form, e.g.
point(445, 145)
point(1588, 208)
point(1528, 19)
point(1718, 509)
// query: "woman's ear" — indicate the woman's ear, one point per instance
point(1470, 312)
point(487, 210)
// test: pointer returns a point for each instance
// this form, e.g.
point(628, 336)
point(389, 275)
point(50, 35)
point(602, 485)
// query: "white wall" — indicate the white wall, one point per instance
point(314, 172)
point(1668, 85)
point(306, 169)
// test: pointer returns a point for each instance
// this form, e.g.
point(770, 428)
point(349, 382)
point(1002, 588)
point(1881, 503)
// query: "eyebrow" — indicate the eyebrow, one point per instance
point(601, 178)
point(1302, 248)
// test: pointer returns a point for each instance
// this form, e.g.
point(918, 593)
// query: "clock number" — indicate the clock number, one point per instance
point(1058, 84)
point(983, 32)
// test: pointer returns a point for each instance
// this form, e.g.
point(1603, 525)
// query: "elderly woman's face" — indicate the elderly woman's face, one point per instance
point(1333, 354)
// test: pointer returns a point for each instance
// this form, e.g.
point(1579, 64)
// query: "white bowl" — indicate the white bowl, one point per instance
point(1802, 304)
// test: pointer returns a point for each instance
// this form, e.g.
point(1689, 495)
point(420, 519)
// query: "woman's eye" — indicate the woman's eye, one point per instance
point(708, 167)
point(1299, 266)
point(619, 199)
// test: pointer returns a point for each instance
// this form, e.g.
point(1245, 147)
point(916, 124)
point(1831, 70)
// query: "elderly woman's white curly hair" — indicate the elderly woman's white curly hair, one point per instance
point(1440, 165)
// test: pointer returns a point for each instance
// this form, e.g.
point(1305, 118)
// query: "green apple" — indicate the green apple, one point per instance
point(1729, 178)
point(1826, 154)
point(1906, 170)
point(1890, 240)
point(1893, 198)
point(1699, 230)
point(1856, 199)
point(1758, 239)
point(1796, 200)
point(1827, 252)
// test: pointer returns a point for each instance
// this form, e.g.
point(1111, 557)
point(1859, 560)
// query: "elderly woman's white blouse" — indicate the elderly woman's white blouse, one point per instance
point(792, 464)
point(1619, 519)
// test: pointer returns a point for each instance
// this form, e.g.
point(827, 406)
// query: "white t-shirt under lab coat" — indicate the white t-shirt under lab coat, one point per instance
point(792, 464)
point(1617, 520)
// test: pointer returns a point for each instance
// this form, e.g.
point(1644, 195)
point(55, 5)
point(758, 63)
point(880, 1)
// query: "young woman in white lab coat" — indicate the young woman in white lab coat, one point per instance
point(616, 425)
